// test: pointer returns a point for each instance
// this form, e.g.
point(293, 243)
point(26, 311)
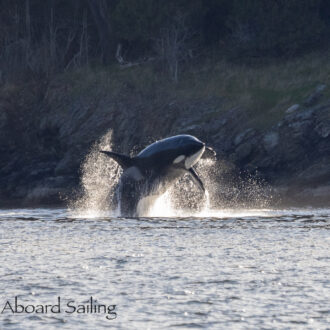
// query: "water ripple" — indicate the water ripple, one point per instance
point(227, 269)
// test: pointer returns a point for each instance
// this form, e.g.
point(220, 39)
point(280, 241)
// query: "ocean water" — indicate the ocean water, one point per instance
point(228, 269)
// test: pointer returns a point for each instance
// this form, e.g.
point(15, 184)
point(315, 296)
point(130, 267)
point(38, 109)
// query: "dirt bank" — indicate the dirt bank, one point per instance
point(47, 130)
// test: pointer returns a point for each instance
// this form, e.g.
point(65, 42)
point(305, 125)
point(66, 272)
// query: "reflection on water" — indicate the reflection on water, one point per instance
point(219, 269)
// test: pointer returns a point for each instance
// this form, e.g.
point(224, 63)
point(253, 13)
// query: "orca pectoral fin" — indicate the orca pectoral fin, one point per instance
point(196, 179)
point(123, 160)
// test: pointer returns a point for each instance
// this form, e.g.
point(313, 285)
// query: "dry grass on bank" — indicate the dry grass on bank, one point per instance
point(266, 91)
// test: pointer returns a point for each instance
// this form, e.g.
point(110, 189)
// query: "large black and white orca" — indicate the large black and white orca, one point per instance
point(154, 170)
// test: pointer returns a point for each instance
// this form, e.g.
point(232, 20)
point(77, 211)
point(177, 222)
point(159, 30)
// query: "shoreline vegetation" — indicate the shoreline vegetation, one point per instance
point(258, 91)
point(239, 109)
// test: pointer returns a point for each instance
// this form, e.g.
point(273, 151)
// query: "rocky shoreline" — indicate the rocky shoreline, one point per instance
point(45, 133)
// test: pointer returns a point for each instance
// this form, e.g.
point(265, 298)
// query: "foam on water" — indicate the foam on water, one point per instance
point(223, 214)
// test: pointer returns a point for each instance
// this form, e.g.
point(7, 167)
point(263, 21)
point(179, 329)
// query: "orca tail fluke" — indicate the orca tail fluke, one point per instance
point(123, 160)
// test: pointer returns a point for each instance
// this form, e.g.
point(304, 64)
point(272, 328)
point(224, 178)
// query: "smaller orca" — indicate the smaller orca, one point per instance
point(151, 172)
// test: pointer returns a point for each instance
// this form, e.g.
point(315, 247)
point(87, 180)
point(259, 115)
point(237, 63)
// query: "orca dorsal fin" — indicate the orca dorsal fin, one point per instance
point(123, 160)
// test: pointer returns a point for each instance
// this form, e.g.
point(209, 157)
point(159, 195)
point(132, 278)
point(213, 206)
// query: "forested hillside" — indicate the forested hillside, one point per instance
point(40, 38)
point(249, 77)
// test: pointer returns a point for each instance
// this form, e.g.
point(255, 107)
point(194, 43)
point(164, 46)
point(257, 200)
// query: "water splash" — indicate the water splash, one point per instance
point(99, 177)
point(223, 198)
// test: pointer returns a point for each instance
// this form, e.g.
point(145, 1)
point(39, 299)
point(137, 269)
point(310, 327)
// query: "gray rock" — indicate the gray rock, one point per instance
point(315, 96)
point(320, 88)
point(300, 122)
point(304, 115)
point(323, 129)
point(244, 135)
point(298, 116)
point(271, 140)
point(293, 108)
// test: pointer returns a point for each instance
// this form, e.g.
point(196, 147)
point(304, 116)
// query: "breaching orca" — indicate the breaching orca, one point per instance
point(154, 169)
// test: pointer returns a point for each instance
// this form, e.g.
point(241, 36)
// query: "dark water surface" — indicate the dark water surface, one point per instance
point(234, 270)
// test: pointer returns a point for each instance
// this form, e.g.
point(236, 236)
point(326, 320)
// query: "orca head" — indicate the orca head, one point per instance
point(189, 151)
